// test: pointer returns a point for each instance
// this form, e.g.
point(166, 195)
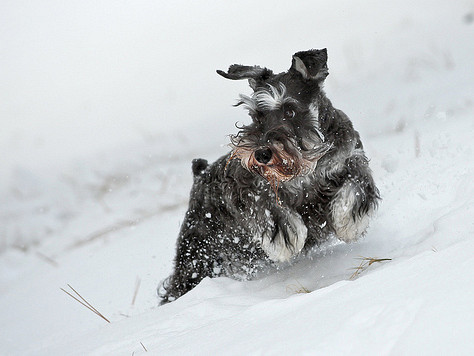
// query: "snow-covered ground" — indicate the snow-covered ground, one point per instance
point(104, 104)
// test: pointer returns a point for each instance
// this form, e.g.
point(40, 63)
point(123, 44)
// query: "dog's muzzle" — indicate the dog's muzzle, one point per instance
point(276, 162)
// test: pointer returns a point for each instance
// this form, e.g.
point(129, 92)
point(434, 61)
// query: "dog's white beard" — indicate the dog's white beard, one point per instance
point(277, 250)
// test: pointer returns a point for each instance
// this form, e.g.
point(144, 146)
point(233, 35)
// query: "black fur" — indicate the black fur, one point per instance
point(245, 215)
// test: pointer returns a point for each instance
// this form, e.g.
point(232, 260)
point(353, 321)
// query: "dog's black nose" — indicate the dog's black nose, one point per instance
point(263, 155)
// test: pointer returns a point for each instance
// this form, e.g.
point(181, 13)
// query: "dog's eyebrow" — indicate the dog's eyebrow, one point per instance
point(273, 98)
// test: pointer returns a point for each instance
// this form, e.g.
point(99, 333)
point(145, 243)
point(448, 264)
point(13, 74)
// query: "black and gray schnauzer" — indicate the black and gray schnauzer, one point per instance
point(296, 175)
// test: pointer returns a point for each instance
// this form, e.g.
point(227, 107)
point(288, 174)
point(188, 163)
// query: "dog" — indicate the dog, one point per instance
point(295, 176)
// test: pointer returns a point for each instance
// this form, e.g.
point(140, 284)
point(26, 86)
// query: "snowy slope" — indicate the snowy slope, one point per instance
point(105, 104)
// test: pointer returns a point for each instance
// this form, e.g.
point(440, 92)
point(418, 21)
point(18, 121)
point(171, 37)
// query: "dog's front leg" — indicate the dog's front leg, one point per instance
point(288, 236)
point(355, 201)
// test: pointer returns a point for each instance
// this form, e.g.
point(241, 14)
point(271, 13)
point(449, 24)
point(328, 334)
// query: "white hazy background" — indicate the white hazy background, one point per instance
point(103, 104)
point(77, 76)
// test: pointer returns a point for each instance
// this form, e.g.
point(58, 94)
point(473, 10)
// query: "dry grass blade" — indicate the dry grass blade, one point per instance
point(297, 288)
point(144, 348)
point(366, 262)
point(47, 259)
point(137, 286)
point(84, 302)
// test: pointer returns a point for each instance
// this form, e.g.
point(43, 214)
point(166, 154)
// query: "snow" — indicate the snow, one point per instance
point(104, 104)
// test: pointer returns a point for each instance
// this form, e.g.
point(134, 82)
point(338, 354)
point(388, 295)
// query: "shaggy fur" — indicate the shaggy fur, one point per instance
point(296, 175)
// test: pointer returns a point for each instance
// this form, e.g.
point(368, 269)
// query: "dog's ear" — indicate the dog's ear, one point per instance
point(311, 64)
point(254, 74)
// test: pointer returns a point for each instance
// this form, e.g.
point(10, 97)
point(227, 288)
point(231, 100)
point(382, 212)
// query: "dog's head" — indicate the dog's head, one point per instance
point(284, 139)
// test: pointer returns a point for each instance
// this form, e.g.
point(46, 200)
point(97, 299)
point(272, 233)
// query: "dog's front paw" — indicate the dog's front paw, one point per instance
point(349, 224)
point(288, 239)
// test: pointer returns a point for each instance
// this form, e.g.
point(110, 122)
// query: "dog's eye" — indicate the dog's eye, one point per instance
point(289, 114)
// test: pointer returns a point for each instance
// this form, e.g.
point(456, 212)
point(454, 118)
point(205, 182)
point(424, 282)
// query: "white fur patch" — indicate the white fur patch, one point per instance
point(277, 250)
point(314, 110)
point(348, 228)
point(267, 100)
